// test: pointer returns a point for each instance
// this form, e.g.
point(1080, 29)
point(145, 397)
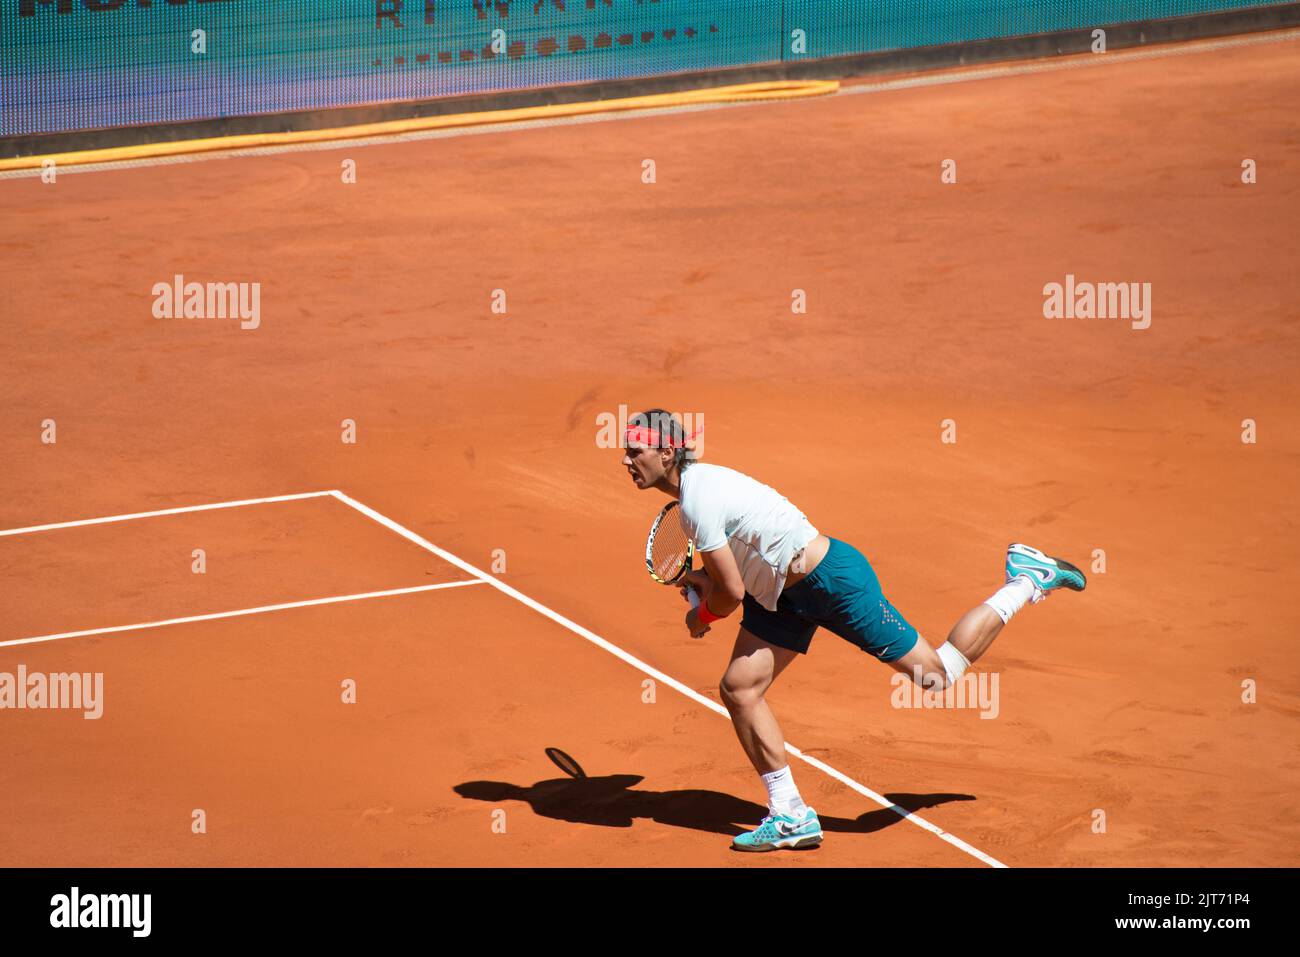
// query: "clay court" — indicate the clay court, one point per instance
point(476, 446)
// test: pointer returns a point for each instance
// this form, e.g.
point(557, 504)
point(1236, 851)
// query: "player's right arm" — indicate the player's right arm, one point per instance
point(704, 520)
point(727, 588)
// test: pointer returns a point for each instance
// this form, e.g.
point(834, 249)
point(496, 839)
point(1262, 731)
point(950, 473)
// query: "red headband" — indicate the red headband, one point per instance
point(650, 438)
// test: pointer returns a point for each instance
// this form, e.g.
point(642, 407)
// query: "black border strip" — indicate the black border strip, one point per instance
point(619, 909)
point(917, 59)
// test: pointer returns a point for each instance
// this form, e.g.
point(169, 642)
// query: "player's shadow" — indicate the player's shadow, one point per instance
point(613, 800)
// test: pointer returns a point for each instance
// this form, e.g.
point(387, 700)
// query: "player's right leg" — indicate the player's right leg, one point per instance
point(755, 664)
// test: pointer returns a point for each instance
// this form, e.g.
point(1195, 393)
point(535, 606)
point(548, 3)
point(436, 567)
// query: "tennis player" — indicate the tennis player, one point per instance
point(763, 556)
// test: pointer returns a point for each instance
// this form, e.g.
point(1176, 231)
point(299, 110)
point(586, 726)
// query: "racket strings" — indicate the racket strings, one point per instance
point(670, 550)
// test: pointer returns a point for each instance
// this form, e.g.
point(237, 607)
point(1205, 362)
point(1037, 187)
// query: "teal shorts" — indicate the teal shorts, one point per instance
point(841, 595)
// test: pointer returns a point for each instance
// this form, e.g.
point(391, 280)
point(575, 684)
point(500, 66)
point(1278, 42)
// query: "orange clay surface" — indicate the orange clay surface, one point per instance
point(477, 431)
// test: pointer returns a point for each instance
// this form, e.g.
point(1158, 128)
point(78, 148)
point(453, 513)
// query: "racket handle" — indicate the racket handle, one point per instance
point(693, 597)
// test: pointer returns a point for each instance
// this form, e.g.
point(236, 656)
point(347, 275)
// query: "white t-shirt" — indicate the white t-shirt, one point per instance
point(721, 506)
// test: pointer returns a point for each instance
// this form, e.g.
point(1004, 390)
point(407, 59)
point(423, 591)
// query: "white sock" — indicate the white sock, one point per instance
point(782, 796)
point(954, 662)
point(1012, 596)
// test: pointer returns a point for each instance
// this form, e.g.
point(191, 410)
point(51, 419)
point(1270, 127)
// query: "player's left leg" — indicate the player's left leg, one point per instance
point(1031, 577)
point(969, 638)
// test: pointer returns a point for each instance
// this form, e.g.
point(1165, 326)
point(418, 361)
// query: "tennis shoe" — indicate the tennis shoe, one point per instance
point(1045, 572)
point(778, 831)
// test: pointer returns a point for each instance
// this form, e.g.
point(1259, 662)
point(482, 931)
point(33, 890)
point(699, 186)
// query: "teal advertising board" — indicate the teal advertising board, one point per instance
point(89, 64)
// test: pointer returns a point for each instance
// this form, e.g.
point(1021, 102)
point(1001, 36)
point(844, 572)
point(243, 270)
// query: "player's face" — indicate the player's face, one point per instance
point(632, 461)
point(643, 466)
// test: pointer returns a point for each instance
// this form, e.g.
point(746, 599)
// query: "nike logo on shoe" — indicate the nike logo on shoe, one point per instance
point(785, 830)
point(1044, 572)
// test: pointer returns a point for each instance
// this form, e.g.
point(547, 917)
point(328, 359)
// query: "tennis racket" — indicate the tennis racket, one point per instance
point(669, 553)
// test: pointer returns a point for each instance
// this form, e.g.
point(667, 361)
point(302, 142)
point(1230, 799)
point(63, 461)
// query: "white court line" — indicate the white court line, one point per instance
point(657, 674)
point(948, 75)
point(334, 600)
point(162, 511)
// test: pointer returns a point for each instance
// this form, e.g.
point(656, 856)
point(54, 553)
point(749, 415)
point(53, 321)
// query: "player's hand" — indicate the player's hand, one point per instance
point(696, 627)
point(700, 581)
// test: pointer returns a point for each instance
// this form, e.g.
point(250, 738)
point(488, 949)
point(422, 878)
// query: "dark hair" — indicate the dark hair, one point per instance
point(668, 427)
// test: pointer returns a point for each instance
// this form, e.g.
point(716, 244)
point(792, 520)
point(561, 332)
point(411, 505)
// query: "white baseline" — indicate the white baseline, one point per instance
point(238, 613)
